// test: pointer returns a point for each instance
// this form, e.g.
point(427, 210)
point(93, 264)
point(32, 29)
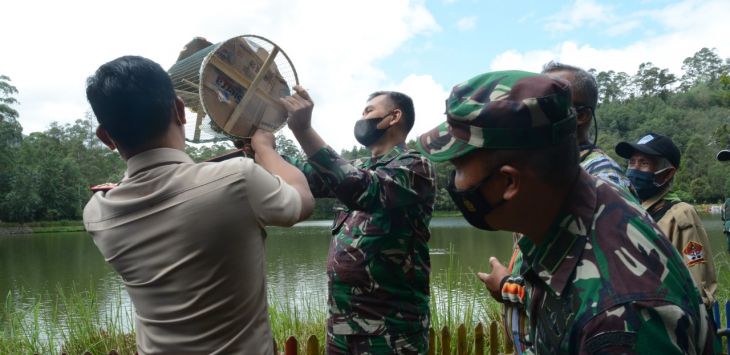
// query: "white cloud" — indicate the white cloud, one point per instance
point(429, 99)
point(690, 25)
point(622, 27)
point(333, 45)
point(598, 17)
point(466, 23)
point(579, 14)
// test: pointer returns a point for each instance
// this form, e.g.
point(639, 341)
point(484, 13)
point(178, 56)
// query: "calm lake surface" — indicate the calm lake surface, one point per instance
point(38, 265)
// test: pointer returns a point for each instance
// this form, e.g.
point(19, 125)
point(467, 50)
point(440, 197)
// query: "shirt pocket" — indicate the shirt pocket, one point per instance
point(363, 223)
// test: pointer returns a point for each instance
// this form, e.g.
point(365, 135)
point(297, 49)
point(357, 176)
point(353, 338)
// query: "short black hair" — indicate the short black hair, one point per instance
point(132, 98)
point(555, 165)
point(402, 102)
point(584, 85)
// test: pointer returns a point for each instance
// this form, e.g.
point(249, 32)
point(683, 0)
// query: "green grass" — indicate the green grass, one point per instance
point(446, 214)
point(71, 321)
point(43, 227)
point(43, 224)
point(454, 303)
point(76, 321)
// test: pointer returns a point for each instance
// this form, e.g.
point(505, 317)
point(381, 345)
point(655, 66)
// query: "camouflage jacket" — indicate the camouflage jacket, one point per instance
point(378, 264)
point(599, 164)
point(605, 279)
point(596, 163)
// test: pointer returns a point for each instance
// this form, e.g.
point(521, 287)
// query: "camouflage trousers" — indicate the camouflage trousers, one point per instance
point(386, 344)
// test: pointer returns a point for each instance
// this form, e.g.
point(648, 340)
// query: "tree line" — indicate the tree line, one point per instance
point(46, 175)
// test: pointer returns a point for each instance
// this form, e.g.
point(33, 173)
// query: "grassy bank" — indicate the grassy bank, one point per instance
point(75, 322)
point(446, 214)
point(41, 227)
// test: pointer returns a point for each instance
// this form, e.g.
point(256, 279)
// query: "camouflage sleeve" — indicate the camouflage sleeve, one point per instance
point(316, 184)
point(401, 182)
point(643, 327)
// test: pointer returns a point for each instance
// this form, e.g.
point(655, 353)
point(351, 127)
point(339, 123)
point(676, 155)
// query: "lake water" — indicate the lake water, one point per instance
point(40, 264)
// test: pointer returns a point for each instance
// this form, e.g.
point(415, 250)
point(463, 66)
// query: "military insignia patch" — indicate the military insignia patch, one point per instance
point(103, 187)
point(694, 252)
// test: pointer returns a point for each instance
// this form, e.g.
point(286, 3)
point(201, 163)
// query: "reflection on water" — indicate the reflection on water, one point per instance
point(296, 261)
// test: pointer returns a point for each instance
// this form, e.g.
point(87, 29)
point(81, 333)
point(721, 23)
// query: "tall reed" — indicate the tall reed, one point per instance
point(77, 321)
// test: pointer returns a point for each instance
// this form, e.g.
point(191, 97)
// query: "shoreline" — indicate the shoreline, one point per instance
point(26, 229)
point(8, 229)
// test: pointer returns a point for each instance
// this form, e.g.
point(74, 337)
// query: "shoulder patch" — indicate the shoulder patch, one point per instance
point(605, 342)
point(694, 253)
point(103, 187)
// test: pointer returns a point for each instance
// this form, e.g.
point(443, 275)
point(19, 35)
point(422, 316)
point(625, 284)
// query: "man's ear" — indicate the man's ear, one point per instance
point(513, 181)
point(583, 117)
point(665, 175)
point(103, 136)
point(397, 117)
point(180, 111)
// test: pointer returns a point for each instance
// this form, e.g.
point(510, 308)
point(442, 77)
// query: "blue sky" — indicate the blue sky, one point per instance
point(344, 50)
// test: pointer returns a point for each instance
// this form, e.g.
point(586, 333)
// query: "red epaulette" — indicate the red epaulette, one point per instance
point(103, 187)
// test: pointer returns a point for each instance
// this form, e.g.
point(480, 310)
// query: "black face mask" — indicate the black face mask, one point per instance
point(472, 204)
point(367, 132)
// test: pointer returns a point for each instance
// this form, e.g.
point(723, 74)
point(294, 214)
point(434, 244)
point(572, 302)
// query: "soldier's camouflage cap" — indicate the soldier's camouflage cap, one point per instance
point(504, 110)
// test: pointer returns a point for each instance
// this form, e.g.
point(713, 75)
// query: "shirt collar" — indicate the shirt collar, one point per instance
point(387, 157)
point(648, 204)
point(554, 260)
point(155, 157)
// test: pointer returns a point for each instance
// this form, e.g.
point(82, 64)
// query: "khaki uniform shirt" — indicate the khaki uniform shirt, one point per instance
point(682, 225)
point(188, 242)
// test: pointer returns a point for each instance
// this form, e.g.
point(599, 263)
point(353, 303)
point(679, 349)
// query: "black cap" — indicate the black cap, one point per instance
point(723, 155)
point(651, 144)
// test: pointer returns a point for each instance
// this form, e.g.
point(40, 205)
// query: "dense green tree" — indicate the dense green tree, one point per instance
point(204, 152)
point(705, 66)
point(46, 175)
point(286, 146)
point(650, 80)
point(7, 98)
point(10, 140)
point(613, 86)
point(21, 202)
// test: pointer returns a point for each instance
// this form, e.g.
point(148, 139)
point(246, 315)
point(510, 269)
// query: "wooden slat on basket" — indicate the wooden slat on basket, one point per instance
point(250, 92)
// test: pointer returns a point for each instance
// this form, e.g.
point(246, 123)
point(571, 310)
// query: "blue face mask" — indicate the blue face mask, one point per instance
point(643, 182)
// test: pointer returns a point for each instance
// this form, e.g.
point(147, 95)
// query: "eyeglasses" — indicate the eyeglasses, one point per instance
point(583, 107)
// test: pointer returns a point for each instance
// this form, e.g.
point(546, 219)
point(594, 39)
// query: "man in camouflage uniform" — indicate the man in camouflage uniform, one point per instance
point(601, 277)
point(653, 162)
point(378, 264)
point(592, 159)
point(585, 99)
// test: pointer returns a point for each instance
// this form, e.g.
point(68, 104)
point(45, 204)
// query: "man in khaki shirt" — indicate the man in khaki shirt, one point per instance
point(653, 162)
point(187, 239)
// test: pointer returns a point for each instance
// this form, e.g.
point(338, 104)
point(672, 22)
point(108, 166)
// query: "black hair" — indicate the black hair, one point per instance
point(584, 85)
point(402, 102)
point(556, 164)
point(132, 98)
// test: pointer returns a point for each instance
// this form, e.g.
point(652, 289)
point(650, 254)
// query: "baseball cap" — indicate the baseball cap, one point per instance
point(651, 144)
point(504, 110)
